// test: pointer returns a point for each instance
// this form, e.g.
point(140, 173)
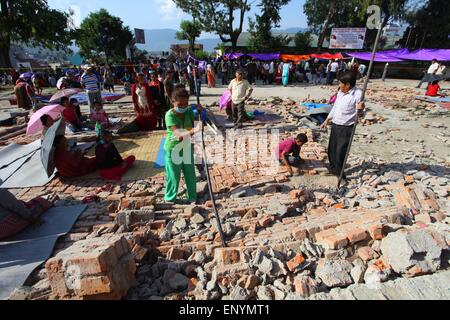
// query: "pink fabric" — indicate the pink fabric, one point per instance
point(116, 173)
point(225, 100)
point(285, 147)
point(101, 117)
point(35, 124)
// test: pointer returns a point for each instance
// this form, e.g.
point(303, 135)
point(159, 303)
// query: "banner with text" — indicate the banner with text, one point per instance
point(347, 38)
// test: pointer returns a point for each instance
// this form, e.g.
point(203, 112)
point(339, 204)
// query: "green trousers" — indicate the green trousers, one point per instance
point(173, 176)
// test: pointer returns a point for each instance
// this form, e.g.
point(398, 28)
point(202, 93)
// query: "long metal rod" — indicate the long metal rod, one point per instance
point(205, 158)
point(366, 83)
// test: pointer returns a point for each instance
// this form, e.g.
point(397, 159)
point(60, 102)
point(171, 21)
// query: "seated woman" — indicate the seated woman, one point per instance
point(70, 116)
point(76, 105)
point(47, 122)
point(433, 89)
point(146, 118)
point(73, 163)
point(99, 115)
point(109, 160)
point(16, 215)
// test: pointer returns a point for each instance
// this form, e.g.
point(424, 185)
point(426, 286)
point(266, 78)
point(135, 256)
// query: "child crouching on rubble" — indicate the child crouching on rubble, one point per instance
point(288, 151)
point(180, 129)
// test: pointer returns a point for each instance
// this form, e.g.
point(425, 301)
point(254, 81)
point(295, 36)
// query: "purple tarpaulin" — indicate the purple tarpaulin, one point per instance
point(426, 55)
point(257, 56)
point(379, 56)
point(265, 56)
point(404, 54)
point(233, 56)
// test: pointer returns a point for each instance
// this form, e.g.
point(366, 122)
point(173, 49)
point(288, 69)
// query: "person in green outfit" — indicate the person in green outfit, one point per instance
point(179, 150)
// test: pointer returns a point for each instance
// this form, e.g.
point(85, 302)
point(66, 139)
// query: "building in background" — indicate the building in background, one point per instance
point(181, 50)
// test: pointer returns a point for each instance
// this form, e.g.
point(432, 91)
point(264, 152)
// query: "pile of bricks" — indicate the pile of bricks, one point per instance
point(93, 269)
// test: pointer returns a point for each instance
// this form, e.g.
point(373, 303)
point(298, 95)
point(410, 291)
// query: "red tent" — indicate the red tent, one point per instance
point(327, 56)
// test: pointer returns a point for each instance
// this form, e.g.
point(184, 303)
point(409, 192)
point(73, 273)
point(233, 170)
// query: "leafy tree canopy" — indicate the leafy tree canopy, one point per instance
point(34, 23)
point(101, 33)
point(190, 31)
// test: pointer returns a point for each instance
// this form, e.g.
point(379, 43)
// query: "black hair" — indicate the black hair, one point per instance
point(44, 119)
point(435, 82)
point(97, 102)
point(73, 100)
point(57, 140)
point(348, 77)
point(180, 92)
point(63, 100)
point(302, 138)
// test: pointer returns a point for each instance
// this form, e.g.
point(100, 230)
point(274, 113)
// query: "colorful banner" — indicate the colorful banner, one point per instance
point(347, 38)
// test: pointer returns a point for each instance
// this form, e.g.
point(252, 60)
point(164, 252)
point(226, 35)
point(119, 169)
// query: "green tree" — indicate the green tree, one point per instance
point(31, 22)
point(326, 14)
point(202, 55)
point(428, 26)
point(302, 41)
point(190, 31)
point(218, 16)
point(103, 34)
point(261, 38)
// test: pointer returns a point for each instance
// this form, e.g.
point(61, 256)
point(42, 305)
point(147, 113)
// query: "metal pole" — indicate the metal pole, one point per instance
point(205, 158)
point(366, 83)
point(385, 71)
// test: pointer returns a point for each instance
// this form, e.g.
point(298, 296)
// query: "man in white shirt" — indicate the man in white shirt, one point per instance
point(343, 117)
point(333, 69)
point(441, 72)
point(240, 90)
point(430, 73)
point(271, 71)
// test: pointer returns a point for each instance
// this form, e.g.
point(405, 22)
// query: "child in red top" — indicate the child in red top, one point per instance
point(433, 89)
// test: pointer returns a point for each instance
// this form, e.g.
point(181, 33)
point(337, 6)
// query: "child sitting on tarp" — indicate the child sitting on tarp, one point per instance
point(109, 160)
point(433, 89)
point(99, 115)
point(16, 215)
point(71, 163)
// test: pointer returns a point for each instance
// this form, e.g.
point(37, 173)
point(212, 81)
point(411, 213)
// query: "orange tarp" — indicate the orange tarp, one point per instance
point(294, 57)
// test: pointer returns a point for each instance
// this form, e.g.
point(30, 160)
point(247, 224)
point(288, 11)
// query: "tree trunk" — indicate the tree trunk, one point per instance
point(5, 61)
point(330, 16)
point(234, 41)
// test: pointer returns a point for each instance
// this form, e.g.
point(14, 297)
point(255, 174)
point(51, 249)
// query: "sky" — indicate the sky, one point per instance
point(162, 14)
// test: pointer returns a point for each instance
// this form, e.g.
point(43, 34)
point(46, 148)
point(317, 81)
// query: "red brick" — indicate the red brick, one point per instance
point(300, 233)
point(367, 253)
point(376, 232)
point(89, 286)
point(295, 262)
point(265, 222)
point(139, 252)
point(227, 256)
point(136, 202)
point(175, 254)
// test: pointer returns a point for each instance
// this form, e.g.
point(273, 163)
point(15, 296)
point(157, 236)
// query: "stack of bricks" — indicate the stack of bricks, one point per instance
point(93, 269)
point(334, 230)
point(257, 165)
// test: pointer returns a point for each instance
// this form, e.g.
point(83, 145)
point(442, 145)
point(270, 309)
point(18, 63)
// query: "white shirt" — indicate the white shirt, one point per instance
point(441, 70)
point(344, 109)
point(433, 68)
point(271, 67)
point(142, 97)
point(362, 68)
point(239, 90)
point(334, 67)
